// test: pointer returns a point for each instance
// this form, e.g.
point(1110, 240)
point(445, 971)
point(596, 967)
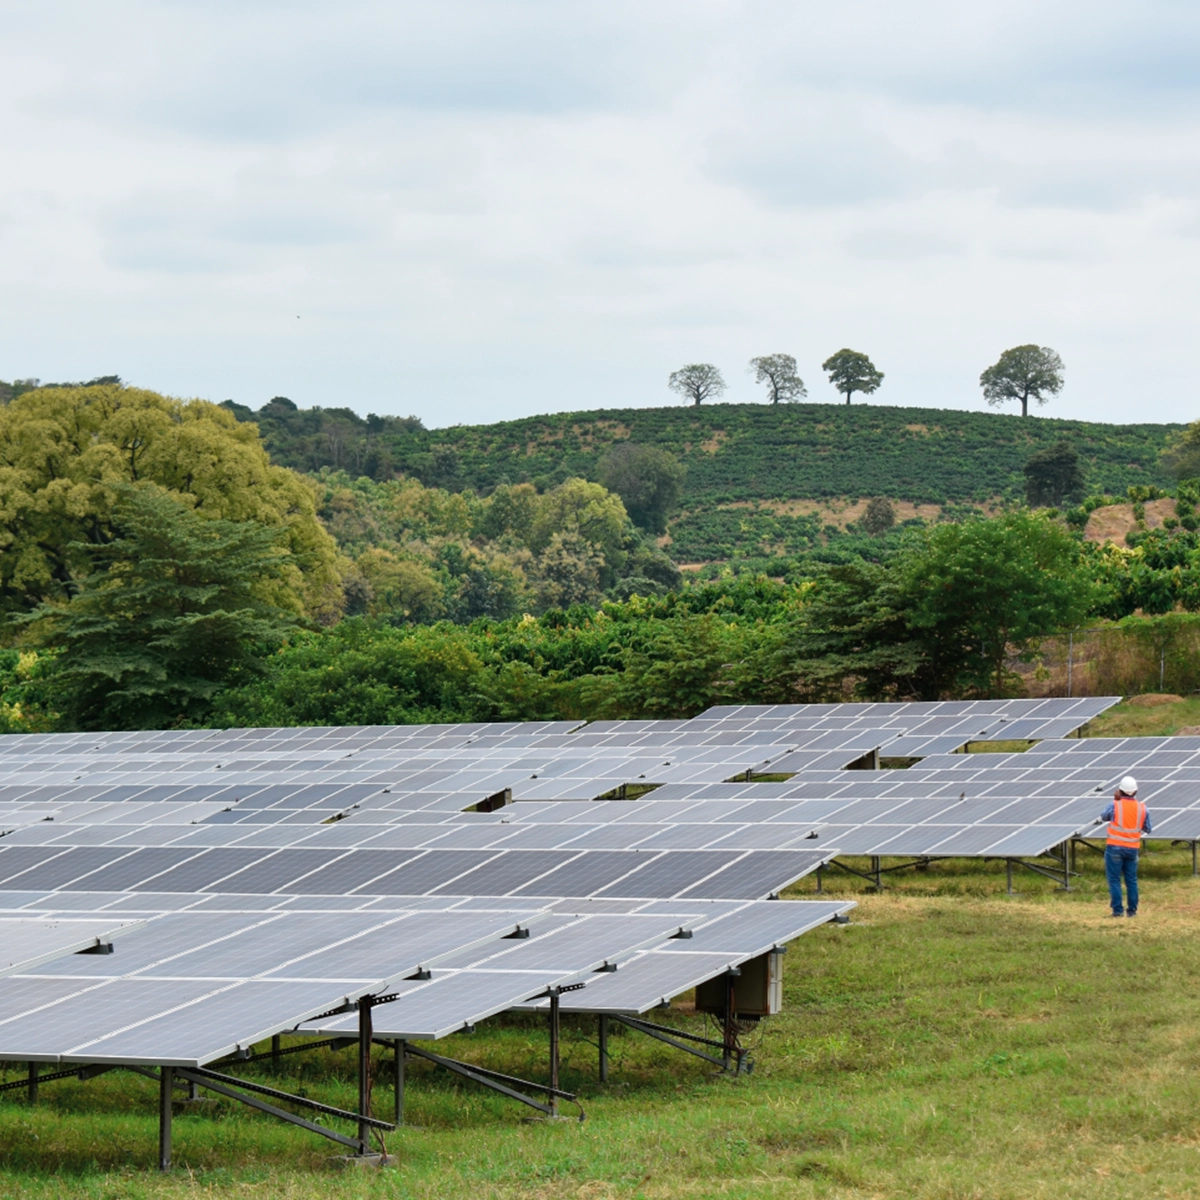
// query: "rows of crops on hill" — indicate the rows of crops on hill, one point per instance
point(733, 452)
point(813, 451)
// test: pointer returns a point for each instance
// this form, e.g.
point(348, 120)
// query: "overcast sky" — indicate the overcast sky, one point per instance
point(475, 211)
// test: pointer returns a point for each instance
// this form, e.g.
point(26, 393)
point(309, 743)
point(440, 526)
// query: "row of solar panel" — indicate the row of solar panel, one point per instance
point(663, 874)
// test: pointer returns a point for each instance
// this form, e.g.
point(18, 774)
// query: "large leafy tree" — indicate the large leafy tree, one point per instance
point(697, 382)
point(1053, 477)
point(66, 453)
point(778, 372)
point(850, 371)
point(1023, 373)
point(648, 480)
point(1181, 455)
point(586, 515)
point(982, 593)
point(175, 606)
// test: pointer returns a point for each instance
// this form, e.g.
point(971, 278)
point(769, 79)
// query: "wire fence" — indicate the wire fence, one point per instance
point(1158, 654)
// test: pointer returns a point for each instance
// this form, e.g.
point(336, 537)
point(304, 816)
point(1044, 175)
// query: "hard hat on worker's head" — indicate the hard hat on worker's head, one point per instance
point(1129, 785)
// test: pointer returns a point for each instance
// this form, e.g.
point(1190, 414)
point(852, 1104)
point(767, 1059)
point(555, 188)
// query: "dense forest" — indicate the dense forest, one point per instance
point(161, 564)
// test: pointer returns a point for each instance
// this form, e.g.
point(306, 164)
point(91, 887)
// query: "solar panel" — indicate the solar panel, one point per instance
point(170, 1011)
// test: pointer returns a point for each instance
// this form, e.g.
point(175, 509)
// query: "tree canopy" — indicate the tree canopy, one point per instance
point(850, 372)
point(697, 382)
point(648, 480)
point(66, 453)
point(1023, 373)
point(778, 372)
point(1053, 477)
point(879, 516)
point(174, 607)
point(1181, 455)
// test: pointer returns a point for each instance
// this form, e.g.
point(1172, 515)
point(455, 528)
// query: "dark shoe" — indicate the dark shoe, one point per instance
point(1132, 914)
point(1116, 914)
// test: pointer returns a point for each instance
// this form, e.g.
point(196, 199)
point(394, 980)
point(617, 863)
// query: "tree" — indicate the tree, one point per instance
point(589, 511)
point(982, 591)
point(174, 607)
point(1023, 373)
point(1181, 455)
point(698, 382)
point(648, 480)
point(66, 453)
point(398, 588)
point(879, 516)
point(778, 372)
point(850, 372)
point(1053, 477)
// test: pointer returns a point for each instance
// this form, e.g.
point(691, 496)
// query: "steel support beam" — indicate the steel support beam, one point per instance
point(398, 1051)
point(166, 1085)
point(272, 1110)
point(678, 1039)
point(728, 1030)
point(364, 1073)
point(602, 1030)
point(554, 1032)
point(491, 1079)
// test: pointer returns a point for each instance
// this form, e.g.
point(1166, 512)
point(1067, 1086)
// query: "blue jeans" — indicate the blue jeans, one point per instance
point(1121, 862)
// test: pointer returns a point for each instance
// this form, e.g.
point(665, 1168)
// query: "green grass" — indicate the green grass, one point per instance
point(952, 1042)
point(1133, 720)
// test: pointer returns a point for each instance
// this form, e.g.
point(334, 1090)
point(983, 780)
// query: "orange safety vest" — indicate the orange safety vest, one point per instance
point(1125, 829)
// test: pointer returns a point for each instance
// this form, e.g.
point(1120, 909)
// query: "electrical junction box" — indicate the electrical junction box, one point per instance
point(757, 991)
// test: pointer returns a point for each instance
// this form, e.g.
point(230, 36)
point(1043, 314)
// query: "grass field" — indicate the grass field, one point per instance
point(951, 1042)
point(1141, 720)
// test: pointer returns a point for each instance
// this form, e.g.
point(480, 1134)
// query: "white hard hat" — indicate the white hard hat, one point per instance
point(1129, 785)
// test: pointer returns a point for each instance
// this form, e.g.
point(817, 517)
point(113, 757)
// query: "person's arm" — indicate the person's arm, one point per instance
point(1108, 813)
point(1146, 826)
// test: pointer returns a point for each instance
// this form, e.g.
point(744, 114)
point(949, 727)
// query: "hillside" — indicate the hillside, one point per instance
point(761, 480)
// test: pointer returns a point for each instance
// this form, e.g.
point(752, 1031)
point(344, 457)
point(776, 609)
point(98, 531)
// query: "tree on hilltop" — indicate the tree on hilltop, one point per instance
point(697, 382)
point(778, 372)
point(850, 372)
point(1023, 373)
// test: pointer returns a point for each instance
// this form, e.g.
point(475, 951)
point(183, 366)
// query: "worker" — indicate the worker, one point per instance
point(1127, 821)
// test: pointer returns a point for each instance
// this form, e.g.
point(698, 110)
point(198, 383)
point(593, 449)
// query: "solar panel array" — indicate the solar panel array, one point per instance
point(282, 873)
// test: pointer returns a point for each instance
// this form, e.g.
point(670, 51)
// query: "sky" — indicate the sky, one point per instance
point(475, 211)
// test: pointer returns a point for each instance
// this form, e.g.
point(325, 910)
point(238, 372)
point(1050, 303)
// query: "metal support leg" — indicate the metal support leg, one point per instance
point(275, 1042)
point(554, 1031)
point(34, 1071)
point(364, 1073)
point(1066, 861)
point(602, 1022)
point(875, 870)
point(1195, 871)
point(1008, 867)
point(166, 1085)
point(820, 879)
point(398, 1051)
point(728, 1033)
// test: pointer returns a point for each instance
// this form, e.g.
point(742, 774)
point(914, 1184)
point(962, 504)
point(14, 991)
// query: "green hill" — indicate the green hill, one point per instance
point(761, 480)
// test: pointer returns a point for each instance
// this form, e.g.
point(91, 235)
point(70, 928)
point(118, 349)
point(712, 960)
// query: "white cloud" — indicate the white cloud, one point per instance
point(485, 209)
